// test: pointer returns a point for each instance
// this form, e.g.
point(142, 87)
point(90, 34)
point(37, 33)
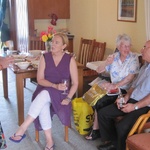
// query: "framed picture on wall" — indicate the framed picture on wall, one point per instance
point(126, 10)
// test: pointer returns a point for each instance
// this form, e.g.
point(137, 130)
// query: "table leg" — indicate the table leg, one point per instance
point(80, 86)
point(20, 97)
point(5, 83)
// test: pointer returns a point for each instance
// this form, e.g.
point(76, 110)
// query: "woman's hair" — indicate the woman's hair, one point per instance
point(63, 37)
point(121, 38)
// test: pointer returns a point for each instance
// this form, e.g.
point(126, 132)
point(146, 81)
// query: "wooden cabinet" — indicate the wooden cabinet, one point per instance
point(70, 46)
point(42, 9)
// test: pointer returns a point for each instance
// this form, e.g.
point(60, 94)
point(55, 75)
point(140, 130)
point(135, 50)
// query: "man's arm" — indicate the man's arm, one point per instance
point(143, 102)
point(127, 96)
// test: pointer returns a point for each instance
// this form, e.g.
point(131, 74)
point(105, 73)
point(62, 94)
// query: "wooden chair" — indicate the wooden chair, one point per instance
point(85, 50)
point(97, 54)
point(36, 44)
point(137, 140)
point(90, 50)
point(98, 51)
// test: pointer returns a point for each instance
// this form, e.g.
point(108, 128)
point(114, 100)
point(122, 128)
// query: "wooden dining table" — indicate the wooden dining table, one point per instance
point(31, 72)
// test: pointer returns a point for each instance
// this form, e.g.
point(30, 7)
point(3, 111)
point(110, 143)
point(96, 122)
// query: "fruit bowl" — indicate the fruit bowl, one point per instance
point(23, 65)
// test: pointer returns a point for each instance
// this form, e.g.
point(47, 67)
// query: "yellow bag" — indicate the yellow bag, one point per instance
point(83, 116)
point(94, 94)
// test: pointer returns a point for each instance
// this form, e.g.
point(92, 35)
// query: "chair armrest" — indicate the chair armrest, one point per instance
point(139, 124)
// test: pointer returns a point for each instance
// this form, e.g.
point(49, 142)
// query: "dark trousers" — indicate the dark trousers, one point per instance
point(107, 100)
point(117, 132)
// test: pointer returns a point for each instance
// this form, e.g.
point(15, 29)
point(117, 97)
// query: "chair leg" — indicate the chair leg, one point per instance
point(24, 82)
point(66, 134)
point(36, 135)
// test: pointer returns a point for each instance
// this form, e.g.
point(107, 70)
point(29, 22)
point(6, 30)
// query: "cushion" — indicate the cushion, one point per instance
point(139, 141)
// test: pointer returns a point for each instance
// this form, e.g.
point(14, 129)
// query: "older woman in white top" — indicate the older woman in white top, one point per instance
point(123, 67)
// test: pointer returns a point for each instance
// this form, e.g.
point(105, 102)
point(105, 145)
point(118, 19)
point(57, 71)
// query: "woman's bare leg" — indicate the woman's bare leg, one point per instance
point(35, 109)
point(21, 130)
point(49, 140)
point(95, 131)
point(95, 123)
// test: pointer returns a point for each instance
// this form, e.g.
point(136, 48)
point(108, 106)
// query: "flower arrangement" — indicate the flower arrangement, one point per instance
point(47, 35)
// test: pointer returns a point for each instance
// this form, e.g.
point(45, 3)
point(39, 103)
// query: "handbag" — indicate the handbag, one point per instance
point(2, 138)
point(94, 94)
point(83, 115)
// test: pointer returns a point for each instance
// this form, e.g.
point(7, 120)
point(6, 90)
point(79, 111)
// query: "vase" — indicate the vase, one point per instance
point(48, 46)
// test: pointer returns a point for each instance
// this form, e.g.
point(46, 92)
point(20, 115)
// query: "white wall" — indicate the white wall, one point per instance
point(98, 19)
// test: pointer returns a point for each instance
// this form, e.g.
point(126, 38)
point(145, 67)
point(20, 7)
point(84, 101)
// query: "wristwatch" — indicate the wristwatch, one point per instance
point(136, 107)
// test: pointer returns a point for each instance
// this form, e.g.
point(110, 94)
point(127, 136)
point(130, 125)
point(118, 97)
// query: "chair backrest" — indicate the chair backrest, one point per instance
point(98, 51)
point(36, 44)
point(85, 50)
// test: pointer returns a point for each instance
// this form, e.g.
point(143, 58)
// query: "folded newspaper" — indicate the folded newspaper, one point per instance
point(93, 65)
point(98, 81)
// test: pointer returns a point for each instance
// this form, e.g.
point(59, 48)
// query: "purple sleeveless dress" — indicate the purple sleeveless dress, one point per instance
point(55, 74)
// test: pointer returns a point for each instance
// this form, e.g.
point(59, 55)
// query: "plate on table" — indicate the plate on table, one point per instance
point(113, 92)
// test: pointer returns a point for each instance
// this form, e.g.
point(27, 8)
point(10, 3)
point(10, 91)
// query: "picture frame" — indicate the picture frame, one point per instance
point(127, 10)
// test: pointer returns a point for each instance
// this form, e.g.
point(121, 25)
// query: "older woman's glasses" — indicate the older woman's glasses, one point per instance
point(126, 46)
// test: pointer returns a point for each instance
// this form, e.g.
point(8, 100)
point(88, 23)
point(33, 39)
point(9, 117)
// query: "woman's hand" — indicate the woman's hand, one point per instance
point(65, 101)
point(110, 59)
point(108, 86)
point(61, 87)
point(111, 87)
point(105, 85)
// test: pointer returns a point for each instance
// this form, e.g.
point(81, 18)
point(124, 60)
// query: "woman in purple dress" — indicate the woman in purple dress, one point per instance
point(48, 98)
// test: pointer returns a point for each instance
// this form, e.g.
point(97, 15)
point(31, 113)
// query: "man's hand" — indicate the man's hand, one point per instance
point(127, 108)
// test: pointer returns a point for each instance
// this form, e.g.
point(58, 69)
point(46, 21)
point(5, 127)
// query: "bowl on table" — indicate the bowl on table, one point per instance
point(23, 65)
point(35, 53)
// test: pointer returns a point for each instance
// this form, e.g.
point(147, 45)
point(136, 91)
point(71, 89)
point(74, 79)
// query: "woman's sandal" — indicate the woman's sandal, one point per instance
point(17, 141)
point(50, 147)
point(93, 135)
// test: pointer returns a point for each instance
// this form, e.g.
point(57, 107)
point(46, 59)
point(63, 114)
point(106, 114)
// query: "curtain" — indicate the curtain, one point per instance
point(22, 25)
point(4, 21)
point(147, 18)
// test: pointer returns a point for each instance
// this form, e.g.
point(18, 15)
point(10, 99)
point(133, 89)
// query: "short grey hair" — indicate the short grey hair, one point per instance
point(121, 38)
